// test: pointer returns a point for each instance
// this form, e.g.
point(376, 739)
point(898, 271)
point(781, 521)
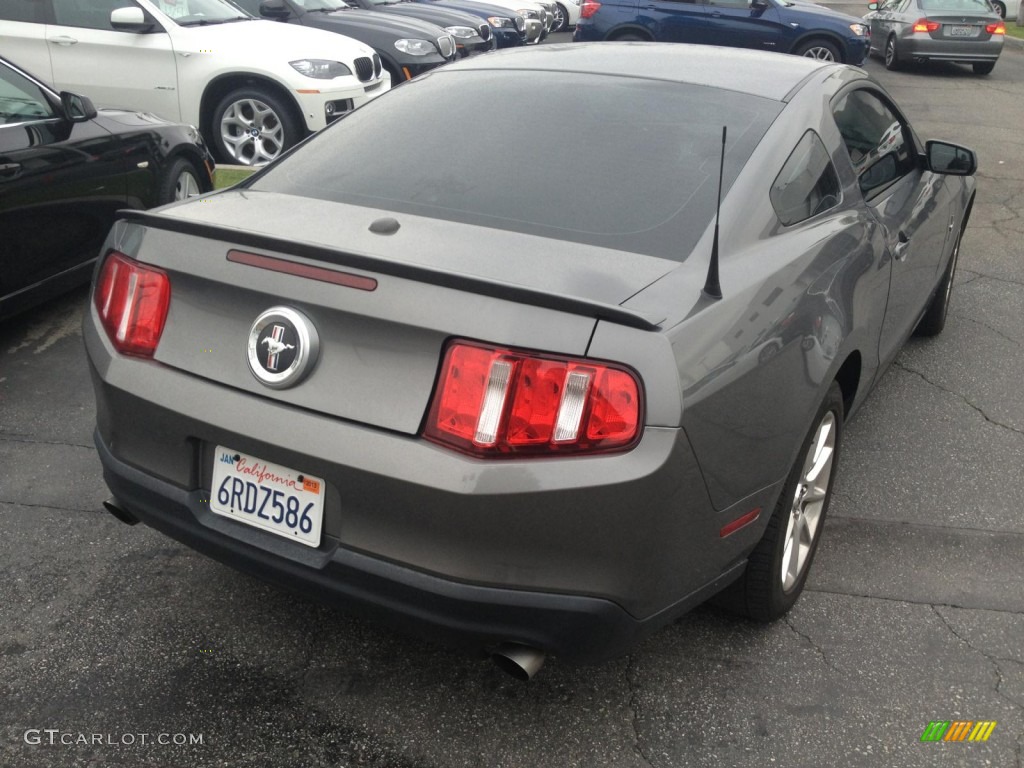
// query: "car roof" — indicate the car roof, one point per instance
point(766, 74)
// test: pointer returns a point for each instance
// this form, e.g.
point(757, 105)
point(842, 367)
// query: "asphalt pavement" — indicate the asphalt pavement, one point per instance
point(119, 647)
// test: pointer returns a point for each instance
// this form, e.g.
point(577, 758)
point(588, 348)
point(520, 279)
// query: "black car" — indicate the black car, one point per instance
point(472, 33)
point(65, 169)
point(407, 47)
point(507, 27)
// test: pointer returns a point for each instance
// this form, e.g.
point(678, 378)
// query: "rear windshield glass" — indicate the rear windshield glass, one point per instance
point(611, 161)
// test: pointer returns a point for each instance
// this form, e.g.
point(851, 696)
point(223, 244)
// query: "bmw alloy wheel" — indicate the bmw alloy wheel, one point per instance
point(186, 185)
point(820, 52)
point(252, 132)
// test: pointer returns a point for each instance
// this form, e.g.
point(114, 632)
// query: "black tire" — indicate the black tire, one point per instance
point(891, 56)
point(983, 67)
point(632, 36)
point(1000, 9)
point(760, 593)
point(179, 181)
point(820, 49)
point(934, 318)
point(561, 22)
point(258, 109)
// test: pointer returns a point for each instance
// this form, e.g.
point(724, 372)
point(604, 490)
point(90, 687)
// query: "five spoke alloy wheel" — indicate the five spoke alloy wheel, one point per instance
point(777, 567)
point(808, 502)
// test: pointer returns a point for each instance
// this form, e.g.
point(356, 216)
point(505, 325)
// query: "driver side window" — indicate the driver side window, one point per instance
point(877, 140)
point(89, 14)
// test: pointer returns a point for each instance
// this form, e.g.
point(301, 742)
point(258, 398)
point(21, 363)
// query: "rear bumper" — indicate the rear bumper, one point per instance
point(924, 47)
point(578, 628)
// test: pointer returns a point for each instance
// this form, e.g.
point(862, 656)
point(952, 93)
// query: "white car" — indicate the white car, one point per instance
point(567, 13)
point(254, 88)
point(1008, 9)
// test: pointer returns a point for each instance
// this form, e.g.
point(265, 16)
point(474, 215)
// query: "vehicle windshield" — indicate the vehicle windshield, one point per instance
point(604, 160)
point(192, 13)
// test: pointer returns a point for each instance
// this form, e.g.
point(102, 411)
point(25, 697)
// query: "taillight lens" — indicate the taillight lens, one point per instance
point(132, 301)
point(589, 8)
point(492, 401)
point(996, 29)
point(923, 25)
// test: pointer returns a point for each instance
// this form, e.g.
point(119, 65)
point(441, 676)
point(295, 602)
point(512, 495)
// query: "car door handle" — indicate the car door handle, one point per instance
point(900, 251)
point(10, 170)
point(63, 40)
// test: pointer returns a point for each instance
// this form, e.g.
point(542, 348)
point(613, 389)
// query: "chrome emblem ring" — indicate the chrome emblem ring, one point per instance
point(283, 347)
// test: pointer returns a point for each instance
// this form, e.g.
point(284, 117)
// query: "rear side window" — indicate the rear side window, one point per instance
point(807, 184)
point(22, 10)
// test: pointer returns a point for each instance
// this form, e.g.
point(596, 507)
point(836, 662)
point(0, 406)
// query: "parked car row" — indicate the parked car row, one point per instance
point(252, 86)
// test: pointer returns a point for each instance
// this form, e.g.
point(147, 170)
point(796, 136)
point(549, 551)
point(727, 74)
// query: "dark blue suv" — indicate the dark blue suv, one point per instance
point(797, 27)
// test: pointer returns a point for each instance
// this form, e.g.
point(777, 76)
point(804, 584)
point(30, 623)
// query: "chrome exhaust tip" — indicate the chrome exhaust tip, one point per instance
point(126, 517)
point(520, 661)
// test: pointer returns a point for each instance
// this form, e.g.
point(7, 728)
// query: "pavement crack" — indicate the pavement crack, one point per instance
point(8, 437)
point(991, 659)
point(634, 709)
point(981, 411)
point(807, 638)
point(994, 330)
point(46, 506)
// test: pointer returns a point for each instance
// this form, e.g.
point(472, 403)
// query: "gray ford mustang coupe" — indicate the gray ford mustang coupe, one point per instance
point(546, 412)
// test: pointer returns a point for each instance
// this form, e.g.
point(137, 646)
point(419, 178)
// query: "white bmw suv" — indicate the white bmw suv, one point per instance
point(254, 88)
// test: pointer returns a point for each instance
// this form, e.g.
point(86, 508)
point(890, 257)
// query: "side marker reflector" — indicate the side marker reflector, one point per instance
point(740, 522)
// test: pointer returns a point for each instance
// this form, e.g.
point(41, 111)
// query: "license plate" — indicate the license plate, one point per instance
point(961, 31)
point(268, 496)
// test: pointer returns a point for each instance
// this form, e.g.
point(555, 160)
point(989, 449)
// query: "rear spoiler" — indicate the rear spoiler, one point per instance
point(463, 282)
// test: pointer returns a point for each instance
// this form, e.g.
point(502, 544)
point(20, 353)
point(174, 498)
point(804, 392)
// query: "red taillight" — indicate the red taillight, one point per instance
point(132, 301)
point(491, 401)
point(923, 25)
point(996, 29)
point(589, 8)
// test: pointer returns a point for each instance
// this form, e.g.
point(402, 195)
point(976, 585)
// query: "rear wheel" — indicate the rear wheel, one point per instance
point(179, 182)
point(934, 318)
point(777, 568)
point(1000, 8)
point(819, 49)
point(252, 126)
point(892, 56)
point(984, 68)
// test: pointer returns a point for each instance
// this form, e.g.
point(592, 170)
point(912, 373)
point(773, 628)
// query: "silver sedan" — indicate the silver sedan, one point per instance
point(964, 31)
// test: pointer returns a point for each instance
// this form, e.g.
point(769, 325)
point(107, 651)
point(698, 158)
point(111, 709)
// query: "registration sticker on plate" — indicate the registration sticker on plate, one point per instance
point(956, 30)
point(267, 496)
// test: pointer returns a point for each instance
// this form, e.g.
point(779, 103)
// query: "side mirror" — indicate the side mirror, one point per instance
point(872, 6)
point(75, 108)
point(950, 159)
point(130, 20)
point(275, 10)
point(759, 5)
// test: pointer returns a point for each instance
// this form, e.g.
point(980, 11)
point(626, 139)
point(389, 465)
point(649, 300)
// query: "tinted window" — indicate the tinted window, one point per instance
point(613, 161)
point(91, 14)
point(21, 100)
point(876, 138)
point(22, 10)
point(959, 6)
point(807, 184)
